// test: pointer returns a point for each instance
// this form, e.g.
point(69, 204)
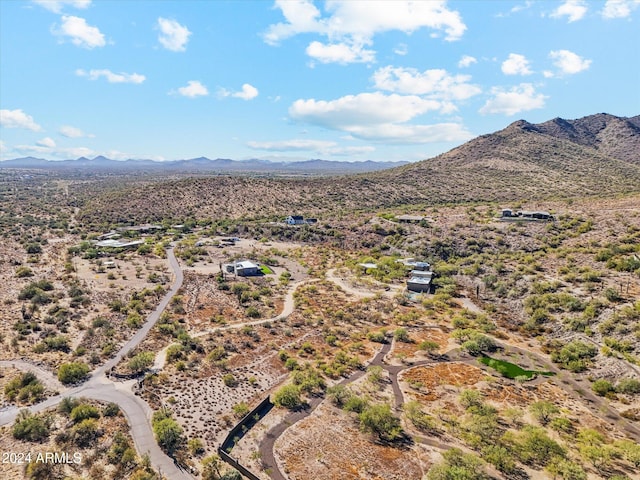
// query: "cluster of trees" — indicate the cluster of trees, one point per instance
point(574, 356)
point(605, 388)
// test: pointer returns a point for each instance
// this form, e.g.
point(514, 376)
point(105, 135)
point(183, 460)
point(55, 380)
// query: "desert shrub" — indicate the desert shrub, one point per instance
point(288, 396)
point(543, 411)
point(230, 380)
point(84, 411)
point(25, 388)
point(602, 387)
point(73, 372)
point(167, 431)
point(401, 335)
point(33, 428)
point(140, 362)
point(630, 386)
point(379, 420)
point(86, 432)
point(22, 272)
point(575, 356)
point(457, 465)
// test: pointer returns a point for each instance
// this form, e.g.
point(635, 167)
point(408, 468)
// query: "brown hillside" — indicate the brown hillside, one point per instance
point(592, 156)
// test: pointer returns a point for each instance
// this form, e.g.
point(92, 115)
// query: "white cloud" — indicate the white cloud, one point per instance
point(568, 62)
point(80, 33)
point(51, 151)
point(111, 76)
point(378, 117)
point(340, 53)
point(413, 134)
point(519, 98)
point(248, 92)
point(73, 132)
point(46, 142)
point(436, 83)
point(352, 25)
point(574, 10)
point(364, 108)
point(466, 61)
point(3, 147)
point(18, 119)
point(292, 145)
point(516, 64)
point(402, 49)
point(173, 36)
point(619, 8)
point(56, 6)
point(192, 90)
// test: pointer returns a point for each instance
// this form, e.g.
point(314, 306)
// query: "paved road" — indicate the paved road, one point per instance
point(99, 387)
point(49, 380)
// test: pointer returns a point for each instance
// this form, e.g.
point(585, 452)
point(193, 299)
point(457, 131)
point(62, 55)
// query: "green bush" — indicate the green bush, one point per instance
point(25, 388)
point(602, 387)
point(33, 428)
point(288, 396)
point(84, 411)
point(379, 420)
point(74, 372)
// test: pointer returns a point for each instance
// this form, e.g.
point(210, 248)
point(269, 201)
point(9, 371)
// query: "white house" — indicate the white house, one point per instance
point(295, 220)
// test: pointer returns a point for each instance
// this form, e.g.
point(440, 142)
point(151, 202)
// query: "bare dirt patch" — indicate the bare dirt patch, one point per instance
point(431, 378)
point(315, 448)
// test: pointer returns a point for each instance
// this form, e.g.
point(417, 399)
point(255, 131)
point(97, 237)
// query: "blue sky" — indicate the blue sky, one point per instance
point(355, 80)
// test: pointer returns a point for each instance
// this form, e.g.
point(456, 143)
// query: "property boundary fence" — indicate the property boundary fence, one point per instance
point(238, 431)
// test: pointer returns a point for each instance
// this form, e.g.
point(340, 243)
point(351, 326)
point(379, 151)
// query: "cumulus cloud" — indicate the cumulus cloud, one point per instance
point(173, 36)
point(574, 10)
point(46, 142)
point(340, 53)
point(466, 61)
point(192, 90)
point(516, 64)
point(350, 26)
point(364, 108)
point(413, 134)
point(619, 8)
point(73, 132)
point(111, 76)
point(80, 33)
point(248, 92)
point(436, 83)
point(56, 6)
point(378, 117)
point(569, 63)
point(18, 119)
point(519, 98)
point(291, 145)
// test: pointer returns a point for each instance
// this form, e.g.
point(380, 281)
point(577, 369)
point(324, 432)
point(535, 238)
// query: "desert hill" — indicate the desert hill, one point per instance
point(597, 155)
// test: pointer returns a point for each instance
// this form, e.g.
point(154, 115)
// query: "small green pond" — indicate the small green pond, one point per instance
point(511, 370)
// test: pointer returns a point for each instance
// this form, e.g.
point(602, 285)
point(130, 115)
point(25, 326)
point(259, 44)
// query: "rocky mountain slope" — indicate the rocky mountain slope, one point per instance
point(597, 155)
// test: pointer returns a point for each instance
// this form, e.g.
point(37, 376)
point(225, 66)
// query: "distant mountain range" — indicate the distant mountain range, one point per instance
point(201, 165)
